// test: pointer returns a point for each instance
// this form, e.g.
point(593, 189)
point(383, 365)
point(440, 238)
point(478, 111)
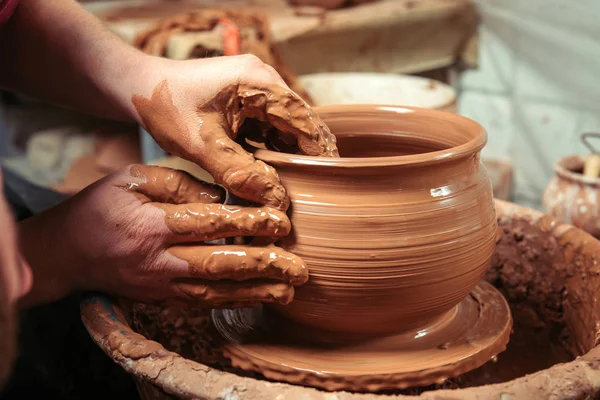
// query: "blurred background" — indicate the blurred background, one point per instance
point(526, 70)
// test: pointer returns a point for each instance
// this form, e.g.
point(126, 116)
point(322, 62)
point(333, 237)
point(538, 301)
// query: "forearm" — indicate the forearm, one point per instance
point(40, 244)
point(59, 52)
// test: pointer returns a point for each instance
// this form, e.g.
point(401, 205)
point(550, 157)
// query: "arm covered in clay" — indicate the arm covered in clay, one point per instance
point(194, 109)
point(141, 233)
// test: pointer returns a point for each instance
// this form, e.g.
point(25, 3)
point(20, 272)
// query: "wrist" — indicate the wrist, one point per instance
point(139, 75)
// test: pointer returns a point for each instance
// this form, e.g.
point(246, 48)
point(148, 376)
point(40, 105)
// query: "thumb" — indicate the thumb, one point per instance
point(236, 169)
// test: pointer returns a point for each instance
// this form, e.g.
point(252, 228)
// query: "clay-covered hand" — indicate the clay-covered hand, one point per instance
point(195, 109)
point(141, 233)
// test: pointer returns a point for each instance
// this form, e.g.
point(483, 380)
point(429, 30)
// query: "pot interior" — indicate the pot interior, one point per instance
point(364, 145)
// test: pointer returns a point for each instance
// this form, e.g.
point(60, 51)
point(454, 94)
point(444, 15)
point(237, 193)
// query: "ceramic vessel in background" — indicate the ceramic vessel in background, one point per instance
point(501, 175)
point(396, 232)
point(334, 88)
point(572, 197)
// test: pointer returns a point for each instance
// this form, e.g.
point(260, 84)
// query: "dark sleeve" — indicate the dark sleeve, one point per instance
point(25, 198)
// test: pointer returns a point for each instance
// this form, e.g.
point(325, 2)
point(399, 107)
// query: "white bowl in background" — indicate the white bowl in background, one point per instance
point(376, 88)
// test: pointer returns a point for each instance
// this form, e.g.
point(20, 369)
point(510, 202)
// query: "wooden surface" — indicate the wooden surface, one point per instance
point(400, 36)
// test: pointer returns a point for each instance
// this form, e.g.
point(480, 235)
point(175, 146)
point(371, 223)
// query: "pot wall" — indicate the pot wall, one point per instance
point(393, 245)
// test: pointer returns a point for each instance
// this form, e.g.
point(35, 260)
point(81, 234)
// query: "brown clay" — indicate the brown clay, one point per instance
point(468, 336)
point(217, 275)
point(395, 234)
point(174, 187)
point(219, 121)
point(572, 197)
point(398, 230)
point(546, 269)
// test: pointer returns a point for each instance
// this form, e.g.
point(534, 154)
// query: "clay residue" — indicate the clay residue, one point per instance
point(207, 136)
point(552, 267)
point(205, 222)
point(217, 275)
point(173, 187)
point(282, 109)
point(242, 263)
point(283, 351)
point(235, 294)
point(573, 308)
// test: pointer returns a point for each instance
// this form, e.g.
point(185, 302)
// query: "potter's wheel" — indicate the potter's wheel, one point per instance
point(468, 336)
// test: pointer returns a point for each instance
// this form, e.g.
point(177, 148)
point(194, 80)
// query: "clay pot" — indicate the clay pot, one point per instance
point(572, 197)
point(542, 265)
point(413, 178)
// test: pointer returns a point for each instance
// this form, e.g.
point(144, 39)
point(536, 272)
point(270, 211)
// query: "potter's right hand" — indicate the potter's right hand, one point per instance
point(195, 109)
point(141, 233)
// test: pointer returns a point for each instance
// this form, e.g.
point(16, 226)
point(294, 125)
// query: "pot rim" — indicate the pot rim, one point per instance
point(561, 169)
point(472, 146)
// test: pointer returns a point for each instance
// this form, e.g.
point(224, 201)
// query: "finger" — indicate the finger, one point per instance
point(167, 185)
point(289, 114)
point(232, 294)
point(236, 169)
point(203, 222)
point(241, 263)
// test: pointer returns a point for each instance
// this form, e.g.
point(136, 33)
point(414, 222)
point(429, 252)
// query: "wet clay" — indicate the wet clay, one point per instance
point(173, 187)
point(467, 337)
point(218, 275)
point(219, 121)
point(547, 270)
point(572, 197)
point(394, 240)
point(396, 233)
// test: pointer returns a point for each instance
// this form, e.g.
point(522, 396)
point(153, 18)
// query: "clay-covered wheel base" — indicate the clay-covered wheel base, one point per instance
point(473, 333)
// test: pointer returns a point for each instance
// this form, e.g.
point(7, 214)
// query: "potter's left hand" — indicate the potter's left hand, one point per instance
point(140, 234)
point(195, 108)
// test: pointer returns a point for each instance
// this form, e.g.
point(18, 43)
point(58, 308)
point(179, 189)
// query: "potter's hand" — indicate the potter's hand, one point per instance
point(194, 109)
point(140, 233)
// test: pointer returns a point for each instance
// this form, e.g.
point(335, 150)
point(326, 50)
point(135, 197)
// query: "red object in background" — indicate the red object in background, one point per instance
point(231, 37)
